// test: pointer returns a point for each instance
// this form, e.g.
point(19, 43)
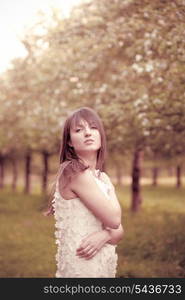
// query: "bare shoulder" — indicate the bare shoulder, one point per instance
point(81, 177)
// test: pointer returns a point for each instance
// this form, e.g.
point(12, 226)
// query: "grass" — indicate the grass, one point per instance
point(154, 241)
point(153, 245)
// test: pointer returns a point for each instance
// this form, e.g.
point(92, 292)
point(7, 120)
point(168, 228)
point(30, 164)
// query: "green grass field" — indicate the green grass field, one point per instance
point(153, 245)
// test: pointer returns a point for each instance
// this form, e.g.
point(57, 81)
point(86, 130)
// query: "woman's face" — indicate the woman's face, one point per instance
point(83, 132)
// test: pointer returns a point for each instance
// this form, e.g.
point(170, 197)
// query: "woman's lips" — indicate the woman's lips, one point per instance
point(89, 141)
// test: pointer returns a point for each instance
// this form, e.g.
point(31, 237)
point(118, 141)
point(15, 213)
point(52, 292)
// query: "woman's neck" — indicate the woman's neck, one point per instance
point(91, 162)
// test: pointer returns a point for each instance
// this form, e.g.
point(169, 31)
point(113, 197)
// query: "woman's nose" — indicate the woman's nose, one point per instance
point(87, 130)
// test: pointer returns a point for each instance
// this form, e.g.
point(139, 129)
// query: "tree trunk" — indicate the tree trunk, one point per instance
point(136, 172)
point(27, 173)
point(178, 176)
point(155, 173)
point(15, 173)
point(45, 156)
point(1, 171)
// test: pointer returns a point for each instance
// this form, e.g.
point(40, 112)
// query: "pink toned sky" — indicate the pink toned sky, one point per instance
point(16, 16)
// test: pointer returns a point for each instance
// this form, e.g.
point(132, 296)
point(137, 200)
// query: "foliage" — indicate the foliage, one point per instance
point(123, 58)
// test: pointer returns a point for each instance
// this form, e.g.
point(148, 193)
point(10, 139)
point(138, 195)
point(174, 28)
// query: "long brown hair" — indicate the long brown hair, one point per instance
point(70, 163)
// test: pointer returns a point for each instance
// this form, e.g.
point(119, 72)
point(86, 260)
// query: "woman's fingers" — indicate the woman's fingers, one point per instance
point(83, 250)
point(89, 255)
point(92, 254)
point(87, 252)
point(91, 245)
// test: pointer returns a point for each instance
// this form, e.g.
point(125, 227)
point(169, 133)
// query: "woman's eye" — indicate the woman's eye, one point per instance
point(94, 127)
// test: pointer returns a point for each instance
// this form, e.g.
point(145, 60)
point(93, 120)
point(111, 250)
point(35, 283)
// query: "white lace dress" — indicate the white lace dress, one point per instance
point(73, 222)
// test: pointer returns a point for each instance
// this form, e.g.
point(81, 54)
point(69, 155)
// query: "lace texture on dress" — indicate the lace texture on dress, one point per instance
point(74, 221)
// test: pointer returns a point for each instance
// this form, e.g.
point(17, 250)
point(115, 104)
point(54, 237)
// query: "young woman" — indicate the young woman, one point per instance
point(85, 206)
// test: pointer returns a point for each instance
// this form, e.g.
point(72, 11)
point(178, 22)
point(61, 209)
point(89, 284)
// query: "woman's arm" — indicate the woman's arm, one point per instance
point(115, 235)
point(87, 189)
point(95, 241)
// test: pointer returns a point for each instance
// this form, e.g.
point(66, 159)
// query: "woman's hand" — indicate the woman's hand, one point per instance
point(91, 244)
